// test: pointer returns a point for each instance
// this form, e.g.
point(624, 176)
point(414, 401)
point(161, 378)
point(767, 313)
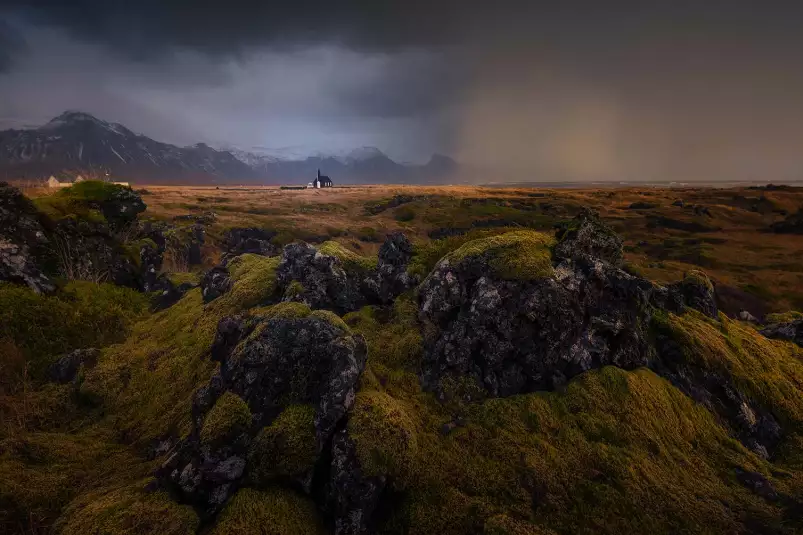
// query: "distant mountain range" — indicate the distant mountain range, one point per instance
point(78, 143)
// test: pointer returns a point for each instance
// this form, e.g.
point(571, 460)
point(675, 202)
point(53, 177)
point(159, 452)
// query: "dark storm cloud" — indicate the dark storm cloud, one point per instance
point(12, 45)
point(576, 89)
point(143, 28)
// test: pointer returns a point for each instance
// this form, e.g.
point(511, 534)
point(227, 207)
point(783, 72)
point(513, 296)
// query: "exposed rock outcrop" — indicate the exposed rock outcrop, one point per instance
point(791, 331)
point(239, 241)
point(25, 249)
point(494, 325)
point(215, 283)
point(351, 496)
point(65, 369)
point(392, 278)
point(89, 250)
point(267, 365)
point(334, 278)
point(586, 236)
point(320, 280)
point(120, 207)
point(519, 336)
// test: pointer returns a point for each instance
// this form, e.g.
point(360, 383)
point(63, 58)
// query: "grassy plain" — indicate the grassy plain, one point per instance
point(724, 231)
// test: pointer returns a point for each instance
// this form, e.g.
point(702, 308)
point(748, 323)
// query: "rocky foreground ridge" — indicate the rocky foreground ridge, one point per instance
point(528, 384)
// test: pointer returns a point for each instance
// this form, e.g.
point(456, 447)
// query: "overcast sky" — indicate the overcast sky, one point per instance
point(579, 90)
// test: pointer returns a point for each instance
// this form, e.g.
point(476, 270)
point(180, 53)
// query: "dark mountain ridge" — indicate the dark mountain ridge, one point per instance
point(78, 143)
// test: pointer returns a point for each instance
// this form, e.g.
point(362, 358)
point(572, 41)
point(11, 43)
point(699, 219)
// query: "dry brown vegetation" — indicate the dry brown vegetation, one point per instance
point(726, 234)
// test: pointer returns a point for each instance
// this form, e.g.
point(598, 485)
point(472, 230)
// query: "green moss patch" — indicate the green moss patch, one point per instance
point(253, 282)
point(768, 371)
point(520, 255)
point(384, 433)
point(79, 200)
point(40, 472)
point(283, 310)
point(286, 448)
point(616, 452)
point(394, 341)
point(271, 512)
point(332, 318)
point(695, 276)
point(784, 317)
point(504, 525)
point(146, 383)
point(229, 417)
point(83, 314)
point(350, 259)
point(128, 511)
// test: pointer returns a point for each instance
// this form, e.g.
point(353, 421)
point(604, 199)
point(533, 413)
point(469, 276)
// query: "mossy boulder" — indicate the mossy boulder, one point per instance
point(331, 277)
point(696, 291)
point(587, 236)
point(496, 311)
point(94, 201)
point(229, 417)
point(349, 259)
point(286, 449)
point(521, 255)
point(384, 434)
point(26, 253)
point(251, 282)
point(269, 512)
point(269, 360)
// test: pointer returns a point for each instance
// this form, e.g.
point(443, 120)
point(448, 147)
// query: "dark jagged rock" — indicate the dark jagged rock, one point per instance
point(392, 278)
point(150, 263)
point(341, 281)
point(88, 250)
point(215, 283)
point(516, 336)
point(120, 207)
point(239, 241)
point(324, 280)
point(697, 292)
point(65, 369)
point(185, 243)
point(266, 364)
point(699, 209)
point(201, 219)
point(678, 202)
point(197, 239)
point(791, 331)
point(351, 496)
point(168, 293)
point(25, 250)
point(586, 236)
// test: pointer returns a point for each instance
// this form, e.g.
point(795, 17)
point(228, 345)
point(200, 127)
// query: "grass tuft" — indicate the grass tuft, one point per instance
point(286, 448)
point(229, 417)
point(270, 512)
